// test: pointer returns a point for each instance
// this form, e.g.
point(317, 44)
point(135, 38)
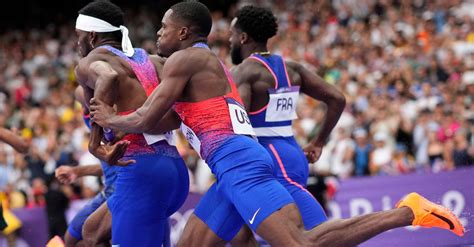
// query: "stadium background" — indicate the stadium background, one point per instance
point(405, 67)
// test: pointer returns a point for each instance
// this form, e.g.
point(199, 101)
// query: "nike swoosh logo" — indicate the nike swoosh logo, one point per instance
point(254, 215)
point(448, 221)
point(451, 225)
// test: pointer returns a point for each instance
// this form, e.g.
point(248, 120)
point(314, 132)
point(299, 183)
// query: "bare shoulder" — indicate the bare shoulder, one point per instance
point(85, 62)
point(293, 65)
point(81, 70)
point(189, 59)
point(248, 71)
point(102, 67)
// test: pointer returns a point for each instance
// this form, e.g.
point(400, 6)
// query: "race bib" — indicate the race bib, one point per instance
point(171, 138)
point(168, 136)
point(151, 139)
point(239, 118)
point(282, 104)
point(191, 137)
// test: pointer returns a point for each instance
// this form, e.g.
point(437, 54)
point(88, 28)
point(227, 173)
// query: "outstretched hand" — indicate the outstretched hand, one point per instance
point(112, 153)
point(313, 152)
point(101, 112)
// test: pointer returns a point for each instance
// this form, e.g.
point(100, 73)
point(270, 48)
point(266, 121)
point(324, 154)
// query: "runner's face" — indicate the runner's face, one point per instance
point(168, 35)
point(235, 44)
point(83, 43)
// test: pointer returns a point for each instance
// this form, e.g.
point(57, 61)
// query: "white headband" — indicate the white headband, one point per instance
point(92, 24)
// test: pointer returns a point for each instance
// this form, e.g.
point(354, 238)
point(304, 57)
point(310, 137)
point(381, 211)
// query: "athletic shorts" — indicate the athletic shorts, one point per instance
point(291, 170)
point(146, 194)
point(246, 191)
point(75, 226)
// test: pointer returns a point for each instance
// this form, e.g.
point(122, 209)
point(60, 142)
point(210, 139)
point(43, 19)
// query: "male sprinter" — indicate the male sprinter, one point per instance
point(20, 145)
point(199, 88)
point(99, 231)
point(149, 191)
point(269, 88)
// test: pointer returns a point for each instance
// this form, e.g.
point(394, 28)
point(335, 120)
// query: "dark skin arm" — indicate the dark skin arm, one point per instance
point(176, 73)
point(68, 174)
point(317, 88)
point(170, 121)
point(88, 170)
point(12, 139)
point(244, 76)
point(79, 95)
point(98, 78)
point(103, 113)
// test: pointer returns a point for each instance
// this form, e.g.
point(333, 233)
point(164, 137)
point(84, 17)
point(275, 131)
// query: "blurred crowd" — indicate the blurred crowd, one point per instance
point(406, 68)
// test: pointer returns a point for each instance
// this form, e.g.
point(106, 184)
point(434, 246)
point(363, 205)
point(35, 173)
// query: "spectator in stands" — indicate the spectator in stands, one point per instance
point(342, 162)
point(435, 148)
point(401, 162)
point(382, 154)
point(361, 152)
point(461, 155)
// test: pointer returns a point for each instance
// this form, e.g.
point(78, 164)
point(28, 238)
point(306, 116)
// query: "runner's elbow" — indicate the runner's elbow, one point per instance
point(341, 98)
point(338, 100)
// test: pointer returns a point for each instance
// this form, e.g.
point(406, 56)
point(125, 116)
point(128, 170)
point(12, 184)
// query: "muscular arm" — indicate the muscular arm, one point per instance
point(317, 88)
point(104, 76)
point(17, 142)
point(69, 174)
point(88, 170)
point(242, 76)
point(98, 78)
point(170, 121)
point(176, 73)
point(79, 96)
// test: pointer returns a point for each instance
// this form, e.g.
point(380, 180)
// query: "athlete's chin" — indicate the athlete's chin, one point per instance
point(159, 50)
point(161, 54)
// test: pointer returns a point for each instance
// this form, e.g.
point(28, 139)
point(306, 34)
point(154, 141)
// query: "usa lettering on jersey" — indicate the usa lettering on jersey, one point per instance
point(239, 118)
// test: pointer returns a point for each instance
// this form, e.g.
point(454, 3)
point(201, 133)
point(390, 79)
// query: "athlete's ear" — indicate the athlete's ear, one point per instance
point(244, 37)
point(92, 38)
point(184, 33)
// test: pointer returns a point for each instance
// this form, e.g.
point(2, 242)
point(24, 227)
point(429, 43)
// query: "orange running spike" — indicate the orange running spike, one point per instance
point(429, 214)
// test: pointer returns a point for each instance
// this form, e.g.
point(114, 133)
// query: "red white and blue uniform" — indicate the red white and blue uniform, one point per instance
point(246, 191)
point(152, 189)
point(273, 126)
